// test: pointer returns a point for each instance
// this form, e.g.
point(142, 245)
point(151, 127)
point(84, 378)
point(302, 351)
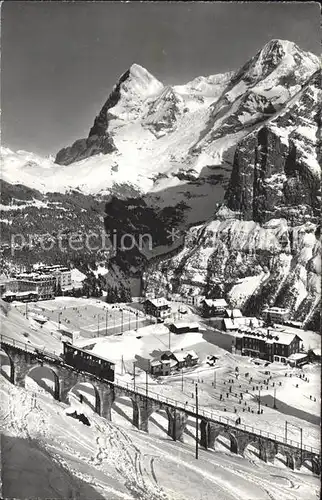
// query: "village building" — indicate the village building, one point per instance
point(316, 355)
point(179, 327)
point(62, 274)
point(191, 358)
point(233, 325)
point(194, 300)
point(267, 344)
point(187, 298)
point(159, 308)
point(298, 359)
point(160, 367)
point(185, 359)
point(43, 284)
point(170, 361)
point(213, 307)
point(276, 315)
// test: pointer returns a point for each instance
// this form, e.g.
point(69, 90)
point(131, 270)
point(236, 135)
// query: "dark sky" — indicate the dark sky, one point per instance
point(60, 60)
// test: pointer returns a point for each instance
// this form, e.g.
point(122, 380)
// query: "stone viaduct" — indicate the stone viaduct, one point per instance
point(24, 358)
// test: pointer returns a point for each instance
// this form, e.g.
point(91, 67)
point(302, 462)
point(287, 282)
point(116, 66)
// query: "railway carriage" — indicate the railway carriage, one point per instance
point(20, 296)
point(89, 362)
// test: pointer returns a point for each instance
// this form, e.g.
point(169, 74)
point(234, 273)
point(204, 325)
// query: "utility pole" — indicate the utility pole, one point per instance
point(26, 310)
point(137, 314)
point(286, 431)
point(182, 379)
point(301, 431)
point(274, 399)
point(197, 421)
point(134, 375)
point(146, 385)
point(259, 401)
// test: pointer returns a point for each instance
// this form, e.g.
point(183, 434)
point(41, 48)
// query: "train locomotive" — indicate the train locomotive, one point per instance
point(86, 361)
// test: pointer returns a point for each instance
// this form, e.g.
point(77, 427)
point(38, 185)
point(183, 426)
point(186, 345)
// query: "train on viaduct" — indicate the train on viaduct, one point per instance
point(23, 358)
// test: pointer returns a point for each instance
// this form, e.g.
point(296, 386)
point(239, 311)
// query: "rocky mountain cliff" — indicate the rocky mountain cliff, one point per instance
point(263, 245)
point(229, 163)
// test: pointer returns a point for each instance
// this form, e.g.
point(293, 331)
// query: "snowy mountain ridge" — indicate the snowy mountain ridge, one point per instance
point(145, 129)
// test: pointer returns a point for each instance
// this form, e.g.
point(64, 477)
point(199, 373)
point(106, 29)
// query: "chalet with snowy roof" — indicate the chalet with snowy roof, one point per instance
point(191, 358)
point(186, 358)
point(277, 315)
point(159, 308)
point(213, 307)
point(183, 327)
point(179, 359)
point(268, 344)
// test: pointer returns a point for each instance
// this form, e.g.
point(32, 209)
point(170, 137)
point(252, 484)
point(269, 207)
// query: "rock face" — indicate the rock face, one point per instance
point(84, 148)
point(276, 169)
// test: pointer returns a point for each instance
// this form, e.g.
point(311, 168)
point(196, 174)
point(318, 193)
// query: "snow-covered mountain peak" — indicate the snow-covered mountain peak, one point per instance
point(128, 97)
point(275, 61)
point(277, 48)
point(141, 82)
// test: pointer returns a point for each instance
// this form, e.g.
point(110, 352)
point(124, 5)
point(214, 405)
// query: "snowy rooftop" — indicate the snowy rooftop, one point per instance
point(155, 362)
point(234, 313)
point(182, 355)
point(161, 301)
point(286, 338)
point(271, 336)
point(185, 324)
point(297, 355)
point(215, 302)
point(279, 310)
point(77, 275)
point(230, 324)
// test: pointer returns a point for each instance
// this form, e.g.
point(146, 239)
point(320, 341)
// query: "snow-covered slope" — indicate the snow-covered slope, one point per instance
point(48, 454)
